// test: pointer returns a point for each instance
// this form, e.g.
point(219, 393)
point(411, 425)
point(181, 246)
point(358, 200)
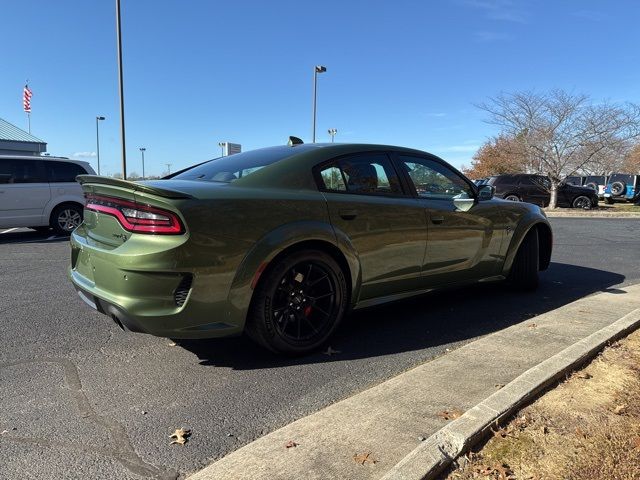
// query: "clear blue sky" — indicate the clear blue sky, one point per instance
point(399, 72)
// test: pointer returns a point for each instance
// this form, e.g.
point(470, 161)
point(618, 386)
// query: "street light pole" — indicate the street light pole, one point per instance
point(316, 70)
point(142, 150)
point(221, 145)
point(121, 90)
point(98, 141)
point(332, 132)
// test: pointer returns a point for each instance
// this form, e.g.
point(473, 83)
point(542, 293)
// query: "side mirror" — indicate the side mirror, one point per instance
point(486, 192)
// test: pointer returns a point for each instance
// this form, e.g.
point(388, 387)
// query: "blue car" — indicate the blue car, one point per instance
point(621, 187)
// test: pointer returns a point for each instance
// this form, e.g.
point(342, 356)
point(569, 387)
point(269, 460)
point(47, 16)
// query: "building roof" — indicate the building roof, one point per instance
point(10, 132)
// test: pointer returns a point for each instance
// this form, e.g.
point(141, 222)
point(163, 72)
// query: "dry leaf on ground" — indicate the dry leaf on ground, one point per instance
point(180, 436)
point(450, 414)
point(291, 444)
point(532, 325)
point(503, 471)
point(330, 351)
point(620, 409)
point(583, 375)
point(363, 458)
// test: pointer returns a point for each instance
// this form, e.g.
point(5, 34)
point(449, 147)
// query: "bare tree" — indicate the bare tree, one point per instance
point(563, 133)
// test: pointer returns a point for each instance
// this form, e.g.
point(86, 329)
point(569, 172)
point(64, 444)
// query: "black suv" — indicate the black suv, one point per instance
point(530, 188)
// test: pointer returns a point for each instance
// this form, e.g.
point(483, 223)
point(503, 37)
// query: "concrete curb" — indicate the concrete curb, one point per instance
point(437, 452)
point(591, 214)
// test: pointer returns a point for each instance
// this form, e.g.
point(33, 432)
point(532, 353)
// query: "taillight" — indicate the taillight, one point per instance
point(136, 217)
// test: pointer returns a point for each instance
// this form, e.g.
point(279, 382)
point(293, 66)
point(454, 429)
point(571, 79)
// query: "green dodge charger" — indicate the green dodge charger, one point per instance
point(282, 242)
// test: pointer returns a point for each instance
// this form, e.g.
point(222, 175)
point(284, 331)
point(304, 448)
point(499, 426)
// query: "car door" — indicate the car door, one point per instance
point(459, 239)
point(386, 226)
point(24, 192)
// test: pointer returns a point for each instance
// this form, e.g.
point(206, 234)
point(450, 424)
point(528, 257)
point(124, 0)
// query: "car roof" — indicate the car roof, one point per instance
point(294, 169)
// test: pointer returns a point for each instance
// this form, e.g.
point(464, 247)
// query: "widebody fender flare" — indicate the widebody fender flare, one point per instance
point(526, 223)
point(276, 242)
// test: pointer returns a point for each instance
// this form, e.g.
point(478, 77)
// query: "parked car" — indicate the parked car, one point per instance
point(281, 242)
point(621, 187)
point(524, 187)
point(597, 183)
point(41, 192)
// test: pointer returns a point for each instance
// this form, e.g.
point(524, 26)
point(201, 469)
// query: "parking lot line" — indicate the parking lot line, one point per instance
point(7, 231)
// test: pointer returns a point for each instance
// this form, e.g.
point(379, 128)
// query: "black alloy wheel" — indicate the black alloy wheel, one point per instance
point(583, 202)
point(299, 303)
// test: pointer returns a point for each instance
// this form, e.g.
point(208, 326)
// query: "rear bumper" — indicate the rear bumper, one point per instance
point(154, 290)
point(119, 316)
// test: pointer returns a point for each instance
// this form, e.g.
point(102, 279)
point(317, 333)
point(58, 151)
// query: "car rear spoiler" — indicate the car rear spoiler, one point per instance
point(136, 187)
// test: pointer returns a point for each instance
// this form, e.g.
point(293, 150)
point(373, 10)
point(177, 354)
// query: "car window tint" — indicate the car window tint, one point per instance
point(434, 180)
point(333, 179)
point(20, 171)
point(370, 174)
point(63, 171)
point(621, 177)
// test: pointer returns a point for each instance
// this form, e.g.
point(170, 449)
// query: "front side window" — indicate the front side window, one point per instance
point(433, 180)
point(20, 171)
point(369, 174)
point(63, 171)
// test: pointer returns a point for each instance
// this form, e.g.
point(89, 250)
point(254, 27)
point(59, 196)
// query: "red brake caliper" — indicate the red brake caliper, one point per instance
point(307, 311)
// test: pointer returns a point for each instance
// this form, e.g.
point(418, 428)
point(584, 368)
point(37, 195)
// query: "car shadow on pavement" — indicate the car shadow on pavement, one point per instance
point(30, 236)
point(431, 320)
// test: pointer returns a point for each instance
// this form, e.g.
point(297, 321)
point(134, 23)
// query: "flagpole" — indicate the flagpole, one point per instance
point(29, 117)
point(121, 90)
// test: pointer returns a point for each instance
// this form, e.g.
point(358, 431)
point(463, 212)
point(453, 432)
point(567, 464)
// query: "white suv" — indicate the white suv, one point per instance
point(41, 192)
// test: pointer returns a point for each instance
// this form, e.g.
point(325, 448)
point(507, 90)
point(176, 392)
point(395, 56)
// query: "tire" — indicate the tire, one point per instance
point(524, 270)
point(582, 202)
point(618, 188)
point(608, 200)
point(284, 316)
point(66, 218)
point(592, 186)
point(512, 197)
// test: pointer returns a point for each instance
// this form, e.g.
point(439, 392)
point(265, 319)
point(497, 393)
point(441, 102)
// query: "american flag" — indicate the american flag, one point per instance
point(26, 99)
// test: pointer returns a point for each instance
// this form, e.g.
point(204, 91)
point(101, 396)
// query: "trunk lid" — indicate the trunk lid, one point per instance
point(104, 230)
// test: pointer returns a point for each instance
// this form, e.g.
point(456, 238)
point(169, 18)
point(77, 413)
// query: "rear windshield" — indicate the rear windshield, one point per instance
point(621, 177)
point(241, 165)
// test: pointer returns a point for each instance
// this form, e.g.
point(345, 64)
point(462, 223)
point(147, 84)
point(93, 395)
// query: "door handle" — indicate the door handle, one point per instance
point(348, 214)
point(437, 220)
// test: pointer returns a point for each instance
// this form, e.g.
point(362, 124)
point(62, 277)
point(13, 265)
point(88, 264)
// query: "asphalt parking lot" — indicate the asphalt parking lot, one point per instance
point(81, 399)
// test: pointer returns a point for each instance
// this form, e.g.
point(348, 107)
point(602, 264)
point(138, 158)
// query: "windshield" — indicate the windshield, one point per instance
point(241, 165)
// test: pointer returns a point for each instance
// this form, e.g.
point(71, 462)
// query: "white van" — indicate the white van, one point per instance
point(41, 192)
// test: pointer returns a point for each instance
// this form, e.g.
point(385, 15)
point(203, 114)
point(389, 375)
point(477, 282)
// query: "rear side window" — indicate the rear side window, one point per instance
point(367, 174)
point(63, 171)
point(21, 171)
